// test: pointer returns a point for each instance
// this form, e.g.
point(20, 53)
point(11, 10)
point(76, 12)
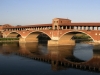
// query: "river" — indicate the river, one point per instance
point(39, 59)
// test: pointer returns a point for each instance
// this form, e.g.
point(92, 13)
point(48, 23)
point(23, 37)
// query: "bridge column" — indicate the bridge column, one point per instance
point(91, 28)
point(53, 43)
point(60, 43)
point(22, 40)
point(78, 27)
point(65, 40)
point(66, 27)
point(86, 28)
point(4, 35)
point(82, 27)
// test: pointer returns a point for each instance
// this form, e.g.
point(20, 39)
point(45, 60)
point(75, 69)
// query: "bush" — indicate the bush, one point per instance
point(8, 39)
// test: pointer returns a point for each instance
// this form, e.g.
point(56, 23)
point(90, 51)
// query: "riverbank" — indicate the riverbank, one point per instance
point(9, 39)
point(96, 45)
point(92, 43)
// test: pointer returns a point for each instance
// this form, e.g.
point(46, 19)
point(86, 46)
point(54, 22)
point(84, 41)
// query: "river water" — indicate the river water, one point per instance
point(39, 59)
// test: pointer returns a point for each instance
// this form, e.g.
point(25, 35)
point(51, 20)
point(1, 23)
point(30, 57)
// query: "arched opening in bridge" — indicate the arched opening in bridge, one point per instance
point(13, 36)
point(39, 37)
point(76, 36)
point(81, 37)
point(43, 38)
point(55, 27)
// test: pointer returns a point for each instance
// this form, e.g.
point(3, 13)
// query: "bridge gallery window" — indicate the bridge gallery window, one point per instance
point(55, 27)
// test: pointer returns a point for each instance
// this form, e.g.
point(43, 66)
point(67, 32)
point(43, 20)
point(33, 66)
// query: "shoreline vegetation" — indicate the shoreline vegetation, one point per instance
point(83, 38)
point(9, 39)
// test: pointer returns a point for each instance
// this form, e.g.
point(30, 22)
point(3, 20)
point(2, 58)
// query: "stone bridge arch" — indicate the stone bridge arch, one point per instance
point(69, 36)
point(65, 36)
point(33, 36)
point(13, 34)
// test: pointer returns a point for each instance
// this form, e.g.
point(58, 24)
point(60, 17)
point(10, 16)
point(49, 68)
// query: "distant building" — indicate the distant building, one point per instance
point(2, 28)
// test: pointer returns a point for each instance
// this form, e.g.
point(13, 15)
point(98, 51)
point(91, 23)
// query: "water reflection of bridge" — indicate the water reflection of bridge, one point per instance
point(58, 57)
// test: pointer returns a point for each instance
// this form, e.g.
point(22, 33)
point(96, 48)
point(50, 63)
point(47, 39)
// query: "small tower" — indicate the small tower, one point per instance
point(56, 22)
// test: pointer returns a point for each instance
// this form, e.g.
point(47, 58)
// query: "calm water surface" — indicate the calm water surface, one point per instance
point(38, 59)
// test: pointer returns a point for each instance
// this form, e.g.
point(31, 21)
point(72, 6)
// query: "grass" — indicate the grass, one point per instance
point(9, 39)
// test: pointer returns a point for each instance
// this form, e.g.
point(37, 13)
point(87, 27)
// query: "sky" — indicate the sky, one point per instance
point(29, 12)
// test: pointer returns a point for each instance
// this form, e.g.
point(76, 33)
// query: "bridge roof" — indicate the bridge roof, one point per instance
point(82, 24)
point(62, 18)
point(43, 25)
point(25, 26)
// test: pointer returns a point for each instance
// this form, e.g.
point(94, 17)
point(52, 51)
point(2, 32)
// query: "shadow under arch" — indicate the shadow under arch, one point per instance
point(35, 36)
point(72, 33)
point(14, 34)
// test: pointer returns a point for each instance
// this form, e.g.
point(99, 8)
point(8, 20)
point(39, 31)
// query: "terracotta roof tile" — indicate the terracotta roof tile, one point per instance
point(83, 24)
point(24, 26)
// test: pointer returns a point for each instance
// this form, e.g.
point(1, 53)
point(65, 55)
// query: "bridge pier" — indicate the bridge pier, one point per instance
point(25, 40)
point(52, 43)
point(22, 40)
point(60, 43)
point(31, 40)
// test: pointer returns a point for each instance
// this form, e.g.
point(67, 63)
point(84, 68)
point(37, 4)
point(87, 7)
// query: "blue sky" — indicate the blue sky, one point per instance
point(26, 12)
